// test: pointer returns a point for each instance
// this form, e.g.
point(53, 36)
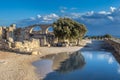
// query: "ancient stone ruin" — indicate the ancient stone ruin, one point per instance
point(25, 40)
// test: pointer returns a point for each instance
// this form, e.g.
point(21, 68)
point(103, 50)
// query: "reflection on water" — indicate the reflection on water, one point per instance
point(75, 61)
point(87, 65)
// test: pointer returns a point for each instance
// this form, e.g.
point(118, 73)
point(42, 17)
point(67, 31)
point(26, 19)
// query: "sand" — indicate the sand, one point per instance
point(54, 50)
point(15, 66)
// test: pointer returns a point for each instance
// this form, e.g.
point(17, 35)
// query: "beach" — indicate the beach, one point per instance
point(15, 66)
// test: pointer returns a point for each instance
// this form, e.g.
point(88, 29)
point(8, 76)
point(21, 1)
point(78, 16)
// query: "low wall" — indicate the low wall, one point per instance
point(115, 43)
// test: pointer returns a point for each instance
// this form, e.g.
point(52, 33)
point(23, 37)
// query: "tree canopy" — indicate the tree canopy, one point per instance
point(99, 36)
point(107, 36)
point(66, 28)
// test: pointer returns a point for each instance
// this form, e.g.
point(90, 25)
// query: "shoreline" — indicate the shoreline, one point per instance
point(55, 50)
point(15, 66)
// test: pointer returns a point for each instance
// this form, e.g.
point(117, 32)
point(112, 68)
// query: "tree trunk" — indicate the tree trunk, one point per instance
point(78, 41)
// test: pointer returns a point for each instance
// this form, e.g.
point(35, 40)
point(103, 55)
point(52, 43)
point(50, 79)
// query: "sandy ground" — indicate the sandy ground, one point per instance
point(54, 50)
point(19, 67)
point(16, 67)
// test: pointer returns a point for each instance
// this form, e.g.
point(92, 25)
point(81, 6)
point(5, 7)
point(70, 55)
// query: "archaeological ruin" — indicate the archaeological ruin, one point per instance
point(27, 39)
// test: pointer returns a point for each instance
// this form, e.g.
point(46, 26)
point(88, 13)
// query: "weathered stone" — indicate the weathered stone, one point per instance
point(36, 53)
point(10, 39)
point(18, 44)
point(25, 39)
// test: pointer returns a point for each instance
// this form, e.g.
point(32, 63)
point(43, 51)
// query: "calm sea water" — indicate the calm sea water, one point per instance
point(85, 65)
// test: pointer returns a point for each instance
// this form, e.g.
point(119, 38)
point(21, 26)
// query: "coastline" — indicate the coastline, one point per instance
point(15, 66)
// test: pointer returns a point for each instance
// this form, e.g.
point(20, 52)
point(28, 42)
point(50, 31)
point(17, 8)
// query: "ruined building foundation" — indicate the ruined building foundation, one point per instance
point(25, 40)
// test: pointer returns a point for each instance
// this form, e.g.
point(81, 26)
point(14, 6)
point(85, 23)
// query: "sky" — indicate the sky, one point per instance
point(38, 11)
point(15, 10)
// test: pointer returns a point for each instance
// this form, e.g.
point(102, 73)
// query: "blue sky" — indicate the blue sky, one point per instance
point(15, 10)
point(100, 16)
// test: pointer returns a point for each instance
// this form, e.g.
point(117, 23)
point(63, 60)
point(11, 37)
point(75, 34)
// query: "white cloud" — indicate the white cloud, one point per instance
point(39, 20)
point(111, 18)
point(46, 18)
point(32, 18)
point(50, 17)
point(53, 15)
point(97, 22)
point(75, 15)
point(39, 16)
point(90, 13)
point(112, 9)
point(63, 9)
point(104, 12)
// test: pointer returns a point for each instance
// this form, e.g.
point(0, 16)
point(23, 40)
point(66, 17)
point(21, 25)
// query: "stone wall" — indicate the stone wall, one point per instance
point(20, 40)
point(26, 46)
point(115, 44)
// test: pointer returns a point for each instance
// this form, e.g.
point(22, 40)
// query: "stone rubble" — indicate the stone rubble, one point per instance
point(24, 40)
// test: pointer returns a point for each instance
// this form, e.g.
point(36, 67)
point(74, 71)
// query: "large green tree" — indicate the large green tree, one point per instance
point(66, 28)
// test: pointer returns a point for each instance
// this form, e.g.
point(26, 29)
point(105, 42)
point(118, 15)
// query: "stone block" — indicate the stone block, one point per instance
point(18, 44)
point(10, 39)
point(36, 53)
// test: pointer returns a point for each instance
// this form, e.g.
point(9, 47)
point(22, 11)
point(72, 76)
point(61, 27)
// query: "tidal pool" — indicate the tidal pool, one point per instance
point(85, 65)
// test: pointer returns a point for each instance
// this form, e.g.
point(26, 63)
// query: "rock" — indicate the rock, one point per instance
point(2, 62)
point(10, 39)
point(36, 53)
point(39, 53)
point(48, 45)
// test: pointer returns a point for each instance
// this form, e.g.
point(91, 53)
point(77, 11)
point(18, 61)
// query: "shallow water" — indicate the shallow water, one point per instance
point(85, 65)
